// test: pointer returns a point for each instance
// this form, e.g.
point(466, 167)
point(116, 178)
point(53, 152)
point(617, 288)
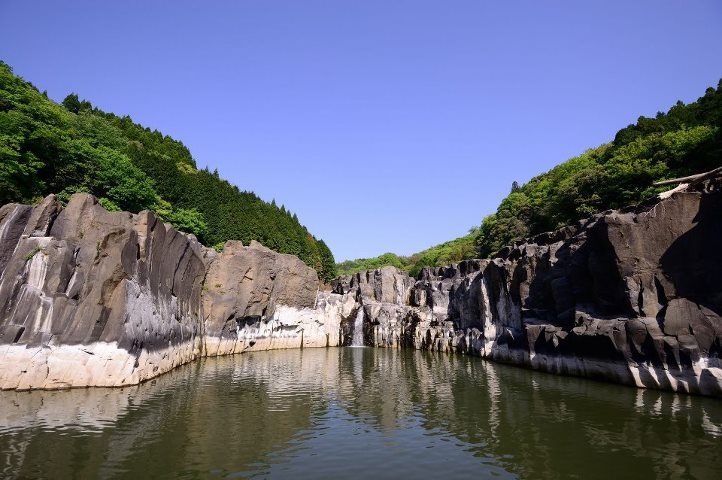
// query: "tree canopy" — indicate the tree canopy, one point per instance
point(686, 139)
point(47, 147)
point(443, 254)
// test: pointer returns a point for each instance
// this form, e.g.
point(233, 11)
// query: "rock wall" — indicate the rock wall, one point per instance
point(96, 298)
point(632, 297)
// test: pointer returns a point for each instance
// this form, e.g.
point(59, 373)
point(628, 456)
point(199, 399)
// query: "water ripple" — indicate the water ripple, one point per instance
point(359, 413)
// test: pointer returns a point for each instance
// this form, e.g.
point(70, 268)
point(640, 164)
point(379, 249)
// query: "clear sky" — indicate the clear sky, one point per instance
point(386, 125)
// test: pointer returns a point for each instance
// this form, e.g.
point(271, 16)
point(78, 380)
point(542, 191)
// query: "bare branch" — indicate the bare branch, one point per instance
point(692, 179)
point(679, 188)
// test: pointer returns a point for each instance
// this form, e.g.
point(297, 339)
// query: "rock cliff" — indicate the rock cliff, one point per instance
point(90, 297)
point(96, 298)
point(632, 297)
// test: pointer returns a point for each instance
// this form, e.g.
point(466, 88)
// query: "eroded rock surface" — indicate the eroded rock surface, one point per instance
point(632, 297)
point(91, 297)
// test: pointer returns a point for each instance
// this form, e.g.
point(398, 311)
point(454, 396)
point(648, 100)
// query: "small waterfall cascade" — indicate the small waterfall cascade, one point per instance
point(8, 221)
point(358, 329)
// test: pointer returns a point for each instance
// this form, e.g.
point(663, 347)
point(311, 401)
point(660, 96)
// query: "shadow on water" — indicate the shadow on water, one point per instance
point(359, 412)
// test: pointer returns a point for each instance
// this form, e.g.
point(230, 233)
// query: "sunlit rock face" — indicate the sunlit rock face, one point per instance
point(91, 297)
point(632, 297)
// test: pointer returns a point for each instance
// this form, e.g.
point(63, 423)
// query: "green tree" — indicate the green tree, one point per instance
point(65, 148)
point(328, 263)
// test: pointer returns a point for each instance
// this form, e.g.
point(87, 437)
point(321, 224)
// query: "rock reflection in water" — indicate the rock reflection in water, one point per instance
point(359, 412)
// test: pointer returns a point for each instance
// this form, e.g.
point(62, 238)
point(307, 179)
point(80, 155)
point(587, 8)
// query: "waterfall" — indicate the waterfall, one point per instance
point(358, 329)
point(10, 218)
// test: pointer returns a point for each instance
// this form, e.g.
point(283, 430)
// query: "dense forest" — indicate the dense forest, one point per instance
point(685, 140)
point(50, 148)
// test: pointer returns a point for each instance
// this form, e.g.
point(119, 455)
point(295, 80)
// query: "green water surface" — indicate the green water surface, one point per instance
point(343, 413)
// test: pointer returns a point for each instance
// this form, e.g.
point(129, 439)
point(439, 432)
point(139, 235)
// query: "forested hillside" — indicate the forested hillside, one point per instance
point(443, 254)
point(50, 148)
point(685, 140)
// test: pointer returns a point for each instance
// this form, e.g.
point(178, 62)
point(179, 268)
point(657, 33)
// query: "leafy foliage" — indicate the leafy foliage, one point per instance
point(387, 259)
point(46, 147)
point(453, 251)
point(685, 140)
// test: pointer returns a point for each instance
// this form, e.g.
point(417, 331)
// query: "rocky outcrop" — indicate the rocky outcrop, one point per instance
point(91, 297)
point(632, 297)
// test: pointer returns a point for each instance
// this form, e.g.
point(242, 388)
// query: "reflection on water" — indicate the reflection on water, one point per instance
point(359, 412)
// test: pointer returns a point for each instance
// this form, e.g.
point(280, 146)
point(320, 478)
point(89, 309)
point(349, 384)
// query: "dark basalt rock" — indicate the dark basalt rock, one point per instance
point(630, 296)
point(90, 297)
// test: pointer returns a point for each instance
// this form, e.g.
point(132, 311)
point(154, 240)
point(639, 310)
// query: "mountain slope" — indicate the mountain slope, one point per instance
point(685, 140)
point(50, 148)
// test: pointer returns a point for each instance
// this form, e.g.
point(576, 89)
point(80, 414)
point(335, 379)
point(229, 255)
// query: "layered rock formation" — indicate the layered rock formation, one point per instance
point(90, 297)
point(631, 297)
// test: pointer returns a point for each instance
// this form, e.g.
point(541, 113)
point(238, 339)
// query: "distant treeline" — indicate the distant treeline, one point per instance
point(444, 254)
point(685, 140)
point(50, 148)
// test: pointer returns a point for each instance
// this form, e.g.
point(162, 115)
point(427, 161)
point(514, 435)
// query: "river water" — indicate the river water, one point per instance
point(342, 413)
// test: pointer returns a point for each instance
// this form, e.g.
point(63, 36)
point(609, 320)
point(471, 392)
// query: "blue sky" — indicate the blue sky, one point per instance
point(387, 125)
